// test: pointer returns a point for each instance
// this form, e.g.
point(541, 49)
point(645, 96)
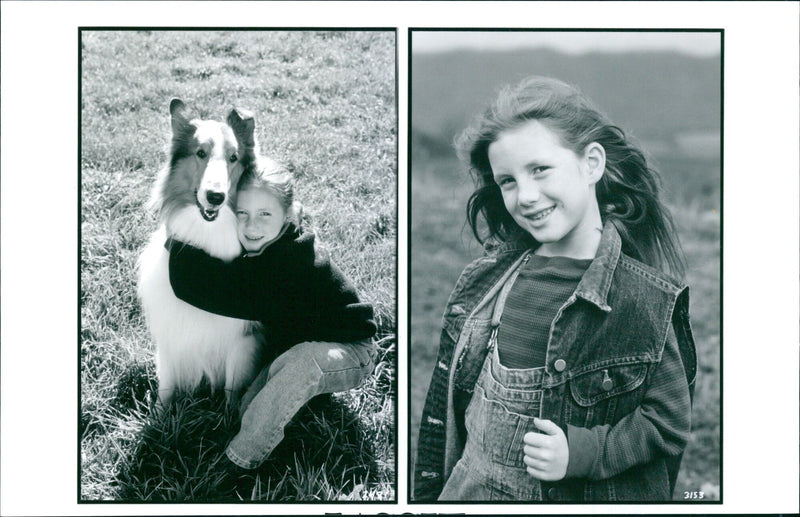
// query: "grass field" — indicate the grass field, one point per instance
point(441, 246)
point(324, 104)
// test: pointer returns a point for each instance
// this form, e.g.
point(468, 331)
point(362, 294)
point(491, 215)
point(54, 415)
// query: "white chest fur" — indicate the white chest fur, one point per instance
point(191, 342)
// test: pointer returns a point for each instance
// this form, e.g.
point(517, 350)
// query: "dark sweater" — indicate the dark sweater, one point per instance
point(292, 288)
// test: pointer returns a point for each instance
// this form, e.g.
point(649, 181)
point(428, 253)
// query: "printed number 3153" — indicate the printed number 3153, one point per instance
point(693, 495)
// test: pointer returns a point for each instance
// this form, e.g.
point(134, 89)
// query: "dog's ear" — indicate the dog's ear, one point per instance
point(243, 125)
point(177, 110)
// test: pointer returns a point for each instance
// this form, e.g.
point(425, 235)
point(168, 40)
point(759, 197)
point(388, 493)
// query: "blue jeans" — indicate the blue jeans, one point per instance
point(284, 386)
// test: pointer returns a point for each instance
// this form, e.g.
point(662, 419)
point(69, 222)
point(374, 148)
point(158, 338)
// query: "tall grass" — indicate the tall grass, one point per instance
point(324, 105)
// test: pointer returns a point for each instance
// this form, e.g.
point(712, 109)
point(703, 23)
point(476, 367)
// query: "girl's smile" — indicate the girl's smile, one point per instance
point(539, 215)
point(548, 189)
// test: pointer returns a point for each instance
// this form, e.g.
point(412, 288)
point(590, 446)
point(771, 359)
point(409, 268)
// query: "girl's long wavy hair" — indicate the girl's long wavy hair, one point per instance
point(628, 194)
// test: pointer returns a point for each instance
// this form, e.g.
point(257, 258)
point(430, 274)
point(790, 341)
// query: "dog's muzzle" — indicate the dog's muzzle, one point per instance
point(215, 200)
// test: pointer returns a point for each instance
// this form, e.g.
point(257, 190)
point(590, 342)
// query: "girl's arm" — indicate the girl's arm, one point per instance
point(660, 426)
point(208, 283)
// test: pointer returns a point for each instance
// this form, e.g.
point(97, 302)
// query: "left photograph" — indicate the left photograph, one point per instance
point(238, 266)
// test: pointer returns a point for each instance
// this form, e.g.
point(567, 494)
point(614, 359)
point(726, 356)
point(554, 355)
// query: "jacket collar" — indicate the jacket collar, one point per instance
point(595, 283)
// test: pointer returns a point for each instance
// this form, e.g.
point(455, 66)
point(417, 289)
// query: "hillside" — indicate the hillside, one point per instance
point(649, 93)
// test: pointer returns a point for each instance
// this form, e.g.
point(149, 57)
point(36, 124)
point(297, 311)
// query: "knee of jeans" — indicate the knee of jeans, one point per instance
point(301, 352)
point(306, 366)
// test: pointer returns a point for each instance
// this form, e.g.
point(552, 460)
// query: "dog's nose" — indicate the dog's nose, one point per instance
point(215, 198)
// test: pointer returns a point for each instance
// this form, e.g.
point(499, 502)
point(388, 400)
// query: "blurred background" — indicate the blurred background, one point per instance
point(662, 88)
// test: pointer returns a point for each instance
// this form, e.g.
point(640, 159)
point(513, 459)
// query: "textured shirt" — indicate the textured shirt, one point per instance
point(540, 289)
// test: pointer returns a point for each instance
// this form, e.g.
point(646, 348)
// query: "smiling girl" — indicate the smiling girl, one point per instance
point(313, 319)
point(566, 363)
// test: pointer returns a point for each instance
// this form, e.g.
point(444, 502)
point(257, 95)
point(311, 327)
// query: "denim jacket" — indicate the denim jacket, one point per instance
point(605, 348)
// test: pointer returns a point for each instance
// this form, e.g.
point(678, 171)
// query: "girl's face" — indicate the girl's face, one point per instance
point(548, 189)
point(260, 217)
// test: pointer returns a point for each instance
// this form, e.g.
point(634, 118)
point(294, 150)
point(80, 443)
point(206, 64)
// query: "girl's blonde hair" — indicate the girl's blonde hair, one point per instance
point(628, 193)
point(273, 177)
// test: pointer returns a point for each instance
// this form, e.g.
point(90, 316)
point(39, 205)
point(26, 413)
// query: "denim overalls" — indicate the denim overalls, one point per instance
point(500, 413)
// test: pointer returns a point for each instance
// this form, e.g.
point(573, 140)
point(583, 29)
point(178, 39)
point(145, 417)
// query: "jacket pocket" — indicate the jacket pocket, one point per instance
point(591, 388)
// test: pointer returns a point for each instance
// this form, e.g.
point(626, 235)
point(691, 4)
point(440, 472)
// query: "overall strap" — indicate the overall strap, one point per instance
point(500, 304)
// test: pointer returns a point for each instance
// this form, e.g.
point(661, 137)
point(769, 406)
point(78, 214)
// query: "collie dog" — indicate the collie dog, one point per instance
point(194, 195)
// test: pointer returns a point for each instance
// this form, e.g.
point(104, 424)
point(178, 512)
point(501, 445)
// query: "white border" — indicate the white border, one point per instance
point(38, 376)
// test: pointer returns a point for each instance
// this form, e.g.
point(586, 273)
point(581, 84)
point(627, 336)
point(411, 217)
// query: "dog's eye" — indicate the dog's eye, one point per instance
point(233, 158)
point(201, 153)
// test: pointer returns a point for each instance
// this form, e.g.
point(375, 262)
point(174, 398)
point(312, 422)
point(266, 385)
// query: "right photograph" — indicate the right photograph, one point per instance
point(565, 261)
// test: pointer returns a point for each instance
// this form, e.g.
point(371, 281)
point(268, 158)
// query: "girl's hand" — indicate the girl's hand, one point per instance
point(546, 455)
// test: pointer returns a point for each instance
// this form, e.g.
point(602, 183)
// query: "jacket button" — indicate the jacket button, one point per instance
point(552, 493)
point(607, 384)
point(560, 365)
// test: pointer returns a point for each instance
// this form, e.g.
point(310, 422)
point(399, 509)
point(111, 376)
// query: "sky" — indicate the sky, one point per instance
point(700, 44)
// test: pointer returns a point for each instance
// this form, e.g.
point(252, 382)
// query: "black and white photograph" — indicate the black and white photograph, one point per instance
point(238, 277)
point(577, 357)
point(435, 257)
